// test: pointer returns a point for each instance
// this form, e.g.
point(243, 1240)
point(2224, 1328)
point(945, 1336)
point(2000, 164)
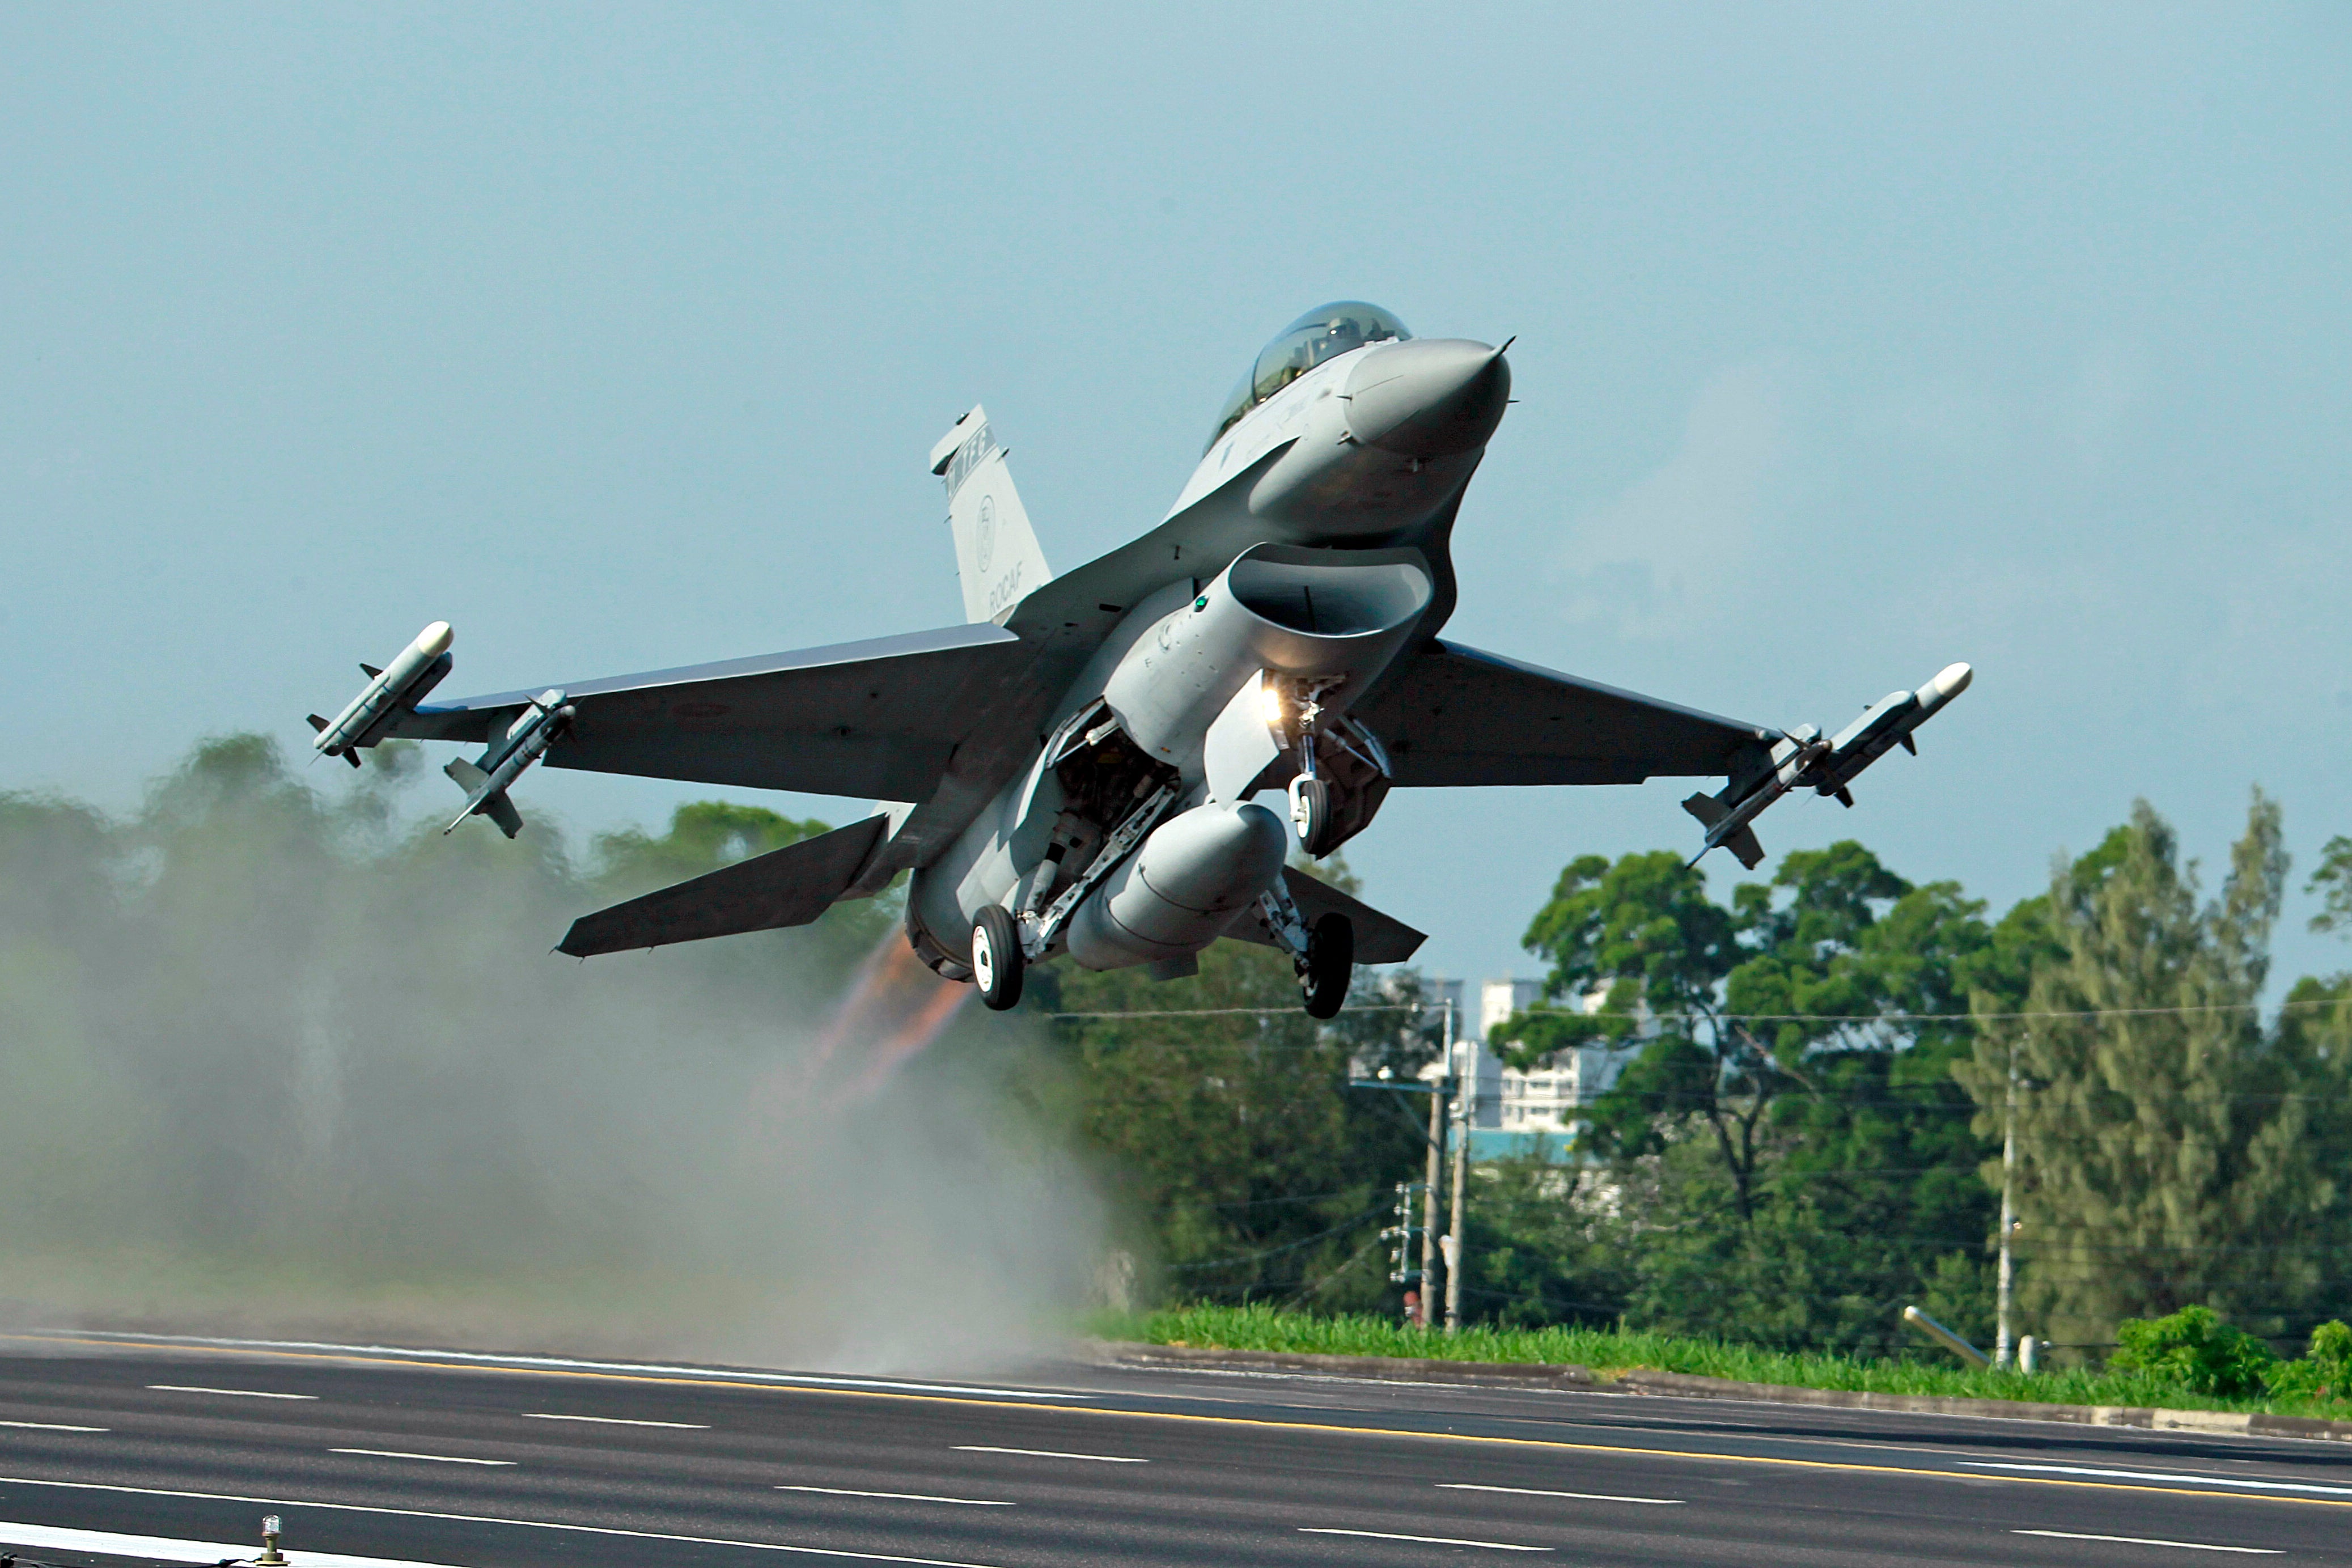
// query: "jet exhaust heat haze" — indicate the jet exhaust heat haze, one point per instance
point(1076, 770)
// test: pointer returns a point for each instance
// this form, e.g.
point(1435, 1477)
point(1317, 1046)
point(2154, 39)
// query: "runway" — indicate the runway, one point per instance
point(117, 1450)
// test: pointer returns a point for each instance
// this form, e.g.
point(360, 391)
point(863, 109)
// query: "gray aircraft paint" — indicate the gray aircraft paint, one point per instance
point(1289, 603)
point(998, 560)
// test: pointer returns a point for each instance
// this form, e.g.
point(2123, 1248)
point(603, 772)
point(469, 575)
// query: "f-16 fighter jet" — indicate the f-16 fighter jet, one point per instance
point(1118, 762)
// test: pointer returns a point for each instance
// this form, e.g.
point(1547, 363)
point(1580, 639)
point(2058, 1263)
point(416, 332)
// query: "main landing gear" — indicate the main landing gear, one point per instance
point(1328, 966)
point(996, 958)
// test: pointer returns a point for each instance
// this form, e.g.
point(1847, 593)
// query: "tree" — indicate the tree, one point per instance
point(1542, 1244)
point(2162, 1140)
point(1644, 934)
point(703, 836)
point(2332, 881)
point(1795, 1161)
point(1244, 1162)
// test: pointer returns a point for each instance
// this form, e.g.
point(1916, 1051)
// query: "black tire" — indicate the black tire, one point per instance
point(1310, 815)
point(1330, 966)
point(996, 959)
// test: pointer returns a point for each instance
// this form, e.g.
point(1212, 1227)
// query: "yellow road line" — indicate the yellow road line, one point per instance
point(1253, 1421)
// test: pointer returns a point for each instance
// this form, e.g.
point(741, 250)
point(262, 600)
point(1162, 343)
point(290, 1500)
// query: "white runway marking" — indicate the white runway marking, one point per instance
point(1048, 1454)
point(900, 1497)
point(320, 1561)
point(2163, 1476)
point(436, 1458)
point(1535, 1491)
point(239, 1393)
point(50, 1539)
point(616, 1421)
point(51, 1427)
point(1424, 1539)
point(2142, 1541)
point(658, 1369)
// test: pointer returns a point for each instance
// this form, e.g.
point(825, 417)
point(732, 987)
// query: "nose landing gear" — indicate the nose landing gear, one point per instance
point(1310, 814)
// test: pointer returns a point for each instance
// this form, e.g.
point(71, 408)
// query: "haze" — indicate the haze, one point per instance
point(1851, 341)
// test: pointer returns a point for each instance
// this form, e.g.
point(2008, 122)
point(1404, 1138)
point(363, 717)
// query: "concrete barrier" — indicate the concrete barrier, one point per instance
point(1684, 1386)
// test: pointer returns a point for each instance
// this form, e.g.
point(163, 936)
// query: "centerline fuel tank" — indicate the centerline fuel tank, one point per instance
point(1335, 616)
point(1180, 891)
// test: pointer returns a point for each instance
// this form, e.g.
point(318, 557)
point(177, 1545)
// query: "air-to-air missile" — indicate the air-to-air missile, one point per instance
point(485, 779)
point(390, 692)
point(1802, 759)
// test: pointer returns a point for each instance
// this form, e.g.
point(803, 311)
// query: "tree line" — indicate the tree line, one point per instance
point(260, 1019)
point(1819, 1078)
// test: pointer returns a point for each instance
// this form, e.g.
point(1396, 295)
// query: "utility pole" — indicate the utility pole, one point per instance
point(1445, 1111)
point(2008, 1279)
point(1429, 1203)
point(1457, 1241)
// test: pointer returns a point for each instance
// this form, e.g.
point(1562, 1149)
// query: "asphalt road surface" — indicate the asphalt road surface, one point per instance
point(116, 1450)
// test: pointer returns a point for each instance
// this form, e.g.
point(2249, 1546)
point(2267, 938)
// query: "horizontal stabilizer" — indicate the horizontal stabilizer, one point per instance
point(1380, 938)
point(787, 887)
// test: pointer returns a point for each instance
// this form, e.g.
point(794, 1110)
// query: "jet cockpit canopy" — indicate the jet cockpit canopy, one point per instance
point(1325, 332)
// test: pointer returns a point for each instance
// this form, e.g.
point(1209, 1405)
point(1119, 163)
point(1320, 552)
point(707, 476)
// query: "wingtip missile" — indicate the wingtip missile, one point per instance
point(1883, 725)
point(1802, 759)
point(390, 691)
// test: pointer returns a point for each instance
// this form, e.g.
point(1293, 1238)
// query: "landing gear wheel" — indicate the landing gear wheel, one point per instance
point(1329, 965)
point(1310, 815)
point(996, 959)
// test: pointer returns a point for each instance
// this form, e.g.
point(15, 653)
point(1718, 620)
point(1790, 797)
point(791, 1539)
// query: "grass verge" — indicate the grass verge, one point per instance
point(1612, 1351)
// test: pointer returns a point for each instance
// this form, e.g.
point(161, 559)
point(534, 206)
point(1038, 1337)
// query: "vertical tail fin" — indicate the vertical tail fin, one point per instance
point(997, 558)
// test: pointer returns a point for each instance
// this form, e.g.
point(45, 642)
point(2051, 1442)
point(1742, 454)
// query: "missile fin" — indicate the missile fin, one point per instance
point(1910, 745)
point(1706, 808)
point(1745, 849)
point(500, 808)
point(1845, 798)
point(316, 722)
point(370, 670)
point(352, 757)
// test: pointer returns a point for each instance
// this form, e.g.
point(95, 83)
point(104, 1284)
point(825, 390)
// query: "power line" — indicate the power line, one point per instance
point(1896, 1019)
point(1243, 1012)
point(1275, 1251)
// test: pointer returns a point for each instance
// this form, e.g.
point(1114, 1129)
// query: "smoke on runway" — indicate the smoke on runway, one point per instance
point(279, 1059)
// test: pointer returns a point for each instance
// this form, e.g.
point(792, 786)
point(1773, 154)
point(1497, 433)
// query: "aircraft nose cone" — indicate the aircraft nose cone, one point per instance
point(1429, 397)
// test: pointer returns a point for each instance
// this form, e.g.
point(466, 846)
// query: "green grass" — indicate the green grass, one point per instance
point(1612, 1351)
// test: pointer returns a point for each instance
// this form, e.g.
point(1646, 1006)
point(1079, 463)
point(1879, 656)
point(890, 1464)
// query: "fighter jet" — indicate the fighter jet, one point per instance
point(1078, 769)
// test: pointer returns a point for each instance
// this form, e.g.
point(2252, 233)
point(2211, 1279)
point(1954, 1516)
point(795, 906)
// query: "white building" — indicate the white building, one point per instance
point(1509, 1107)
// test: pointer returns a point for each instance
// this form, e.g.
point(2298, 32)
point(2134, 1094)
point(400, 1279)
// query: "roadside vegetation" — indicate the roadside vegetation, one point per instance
point(1806, 1086)
point(2178, 1363)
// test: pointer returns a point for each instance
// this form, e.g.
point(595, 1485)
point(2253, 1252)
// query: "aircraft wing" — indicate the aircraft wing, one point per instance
point(878, 720)
point(1452, 716)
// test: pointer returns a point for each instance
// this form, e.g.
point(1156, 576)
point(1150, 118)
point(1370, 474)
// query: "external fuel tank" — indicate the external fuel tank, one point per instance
point(1182, 889)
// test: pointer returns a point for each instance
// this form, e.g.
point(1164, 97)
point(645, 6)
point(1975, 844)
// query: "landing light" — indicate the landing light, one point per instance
point(1271, 696)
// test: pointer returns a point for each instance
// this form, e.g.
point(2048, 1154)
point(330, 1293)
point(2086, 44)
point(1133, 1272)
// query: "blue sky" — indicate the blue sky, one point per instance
point(1852, 340)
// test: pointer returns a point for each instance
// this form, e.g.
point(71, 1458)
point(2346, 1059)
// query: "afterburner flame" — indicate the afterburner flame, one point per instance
point(895, 1007)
